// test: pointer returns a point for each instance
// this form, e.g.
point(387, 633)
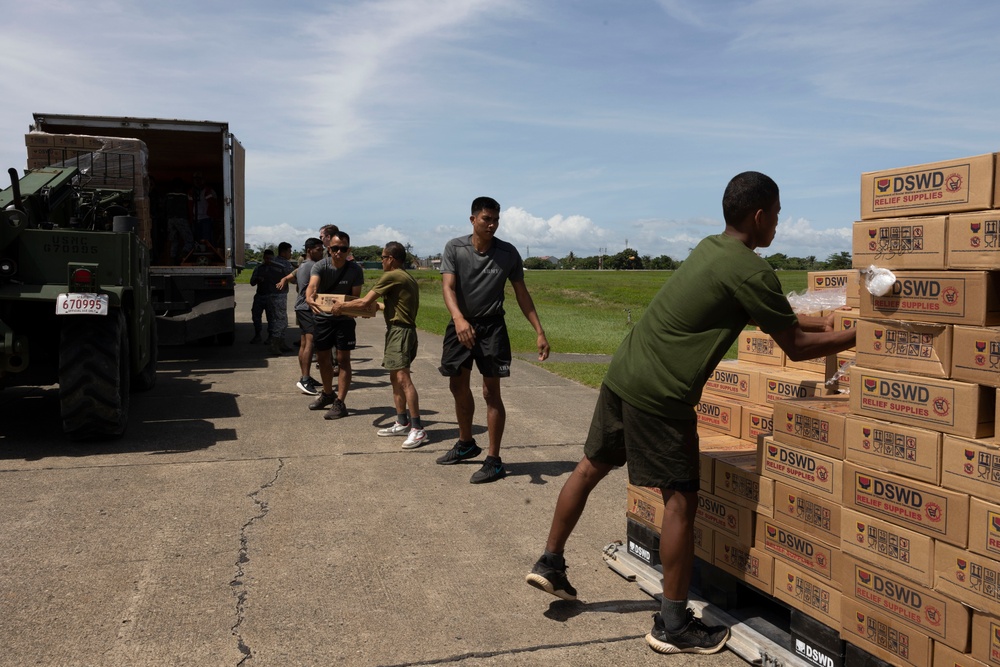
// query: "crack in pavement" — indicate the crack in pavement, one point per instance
point(243, 558)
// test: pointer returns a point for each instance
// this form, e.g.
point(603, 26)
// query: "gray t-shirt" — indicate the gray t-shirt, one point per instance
point(351, 275)
point(302, 282)
point(480, 277)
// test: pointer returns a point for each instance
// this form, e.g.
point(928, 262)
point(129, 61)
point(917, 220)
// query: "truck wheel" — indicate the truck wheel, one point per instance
point(94, 376)
point(145, 379)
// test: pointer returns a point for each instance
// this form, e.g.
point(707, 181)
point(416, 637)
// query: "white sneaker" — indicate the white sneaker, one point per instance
point(416, 438)
point(395, 429)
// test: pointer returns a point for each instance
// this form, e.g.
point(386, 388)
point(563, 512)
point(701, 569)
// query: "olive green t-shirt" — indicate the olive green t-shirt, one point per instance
point(401, 295)
point(662, 365)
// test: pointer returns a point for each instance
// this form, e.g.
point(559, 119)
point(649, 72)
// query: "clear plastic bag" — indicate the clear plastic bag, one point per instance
point(814, 302)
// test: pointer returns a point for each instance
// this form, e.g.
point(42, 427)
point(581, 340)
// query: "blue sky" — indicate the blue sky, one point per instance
point(594, 123)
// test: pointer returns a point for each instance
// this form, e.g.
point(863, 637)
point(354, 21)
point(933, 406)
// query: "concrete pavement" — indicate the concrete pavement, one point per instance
point(232, 526)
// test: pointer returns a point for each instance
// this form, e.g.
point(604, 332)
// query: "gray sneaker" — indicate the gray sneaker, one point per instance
point(309, 386)
point(491, 471)
point(395, 429)
point(323, 401)
point(459, 452)
point(693, 637)
point(337, 410)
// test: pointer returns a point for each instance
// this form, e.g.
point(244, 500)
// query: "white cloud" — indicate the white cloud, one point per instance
point(556, 235)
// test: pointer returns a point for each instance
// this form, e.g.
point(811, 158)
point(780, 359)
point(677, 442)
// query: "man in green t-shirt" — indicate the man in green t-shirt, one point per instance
point(401, 295)
point(645, 412)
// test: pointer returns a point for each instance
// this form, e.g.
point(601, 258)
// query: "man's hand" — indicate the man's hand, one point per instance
point(543, 347)
point(336, 307)
point(465, 333)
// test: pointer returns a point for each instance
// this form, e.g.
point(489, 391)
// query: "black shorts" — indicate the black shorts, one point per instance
point(491, 350)
point(660, 452)
point(333, 332)
point(306, 321)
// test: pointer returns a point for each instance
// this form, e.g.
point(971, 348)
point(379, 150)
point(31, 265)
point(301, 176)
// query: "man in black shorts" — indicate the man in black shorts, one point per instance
point(334, 275)
point(645, 413)
point(474, 270)
point(313, 252)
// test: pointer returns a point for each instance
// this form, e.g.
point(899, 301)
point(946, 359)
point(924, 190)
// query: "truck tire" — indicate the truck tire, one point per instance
point(145, 379)
point(94, 376)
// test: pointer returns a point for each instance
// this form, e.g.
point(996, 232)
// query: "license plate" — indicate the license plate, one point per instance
point(82, 304)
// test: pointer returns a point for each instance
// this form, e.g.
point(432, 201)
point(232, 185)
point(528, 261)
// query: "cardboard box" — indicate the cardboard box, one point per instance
point(900, 346)
point(946, 656)
point(909, 451)
point(974, 240)
point(941, 617)
point(776, 384)
point(921, 507)
point(824, 366)
point(41, 153)
point(845, 364)
point(39, 139)
point(325, 302)
point(959, 408)
point(725, 518)
point(642, 542)
point(848, 280)
point(971, 466)
point(970, 577)
point(985, 639)
point(757, 421)
point(950, 297)
point(809, 594)
point(975, 355)
point(813, 424)
point(720, 414)
point(888, 546)
point(950, 186)
point(817, 517)
point(901, 243)
point(37, 163)
point(996, 417)
point(845, 318)
point(704, 542)
point(737, 480)
point(883, 635)
point(757, 347)
point(984, 528)
point(817, 643)
point(716, 445)
point(802, 469)
point(749, 565)
point(734, 379)
point(801, 550)
point(644, 505)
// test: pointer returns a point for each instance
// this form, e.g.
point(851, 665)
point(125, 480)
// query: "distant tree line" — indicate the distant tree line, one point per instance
point(630, 259)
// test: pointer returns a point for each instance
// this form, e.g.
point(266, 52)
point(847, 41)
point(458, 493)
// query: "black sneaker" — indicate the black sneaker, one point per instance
point(308, 386)
point(551, 579)
point(694, 637)
point(491, 471)
point(459, 452)
point(323, 401)
point(337, 410)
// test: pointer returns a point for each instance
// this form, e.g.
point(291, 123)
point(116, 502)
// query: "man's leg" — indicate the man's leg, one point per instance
point(344, 377)
point(496, 414)
point(324, 358)
point(677, 542)
point(465, 404)
point(305, 353)
point(572, 500)
point(256, 313)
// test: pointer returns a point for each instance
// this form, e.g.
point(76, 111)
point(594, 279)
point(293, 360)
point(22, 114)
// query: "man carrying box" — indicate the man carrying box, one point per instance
point(645, 413)
point(334, 275)
point(402, 299)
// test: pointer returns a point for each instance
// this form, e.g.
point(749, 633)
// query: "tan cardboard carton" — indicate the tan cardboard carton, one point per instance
point(975, 355)
point(927, 509)
point(884, 636)
point(948, 297)
point(974, 240)
point(725, 518)
point(996, 417)
point(845, 318)
point(737, 480)
point(909, 451)
point(959, 408)
point(901, 243)
point(758, 420)
point(845, 364)
point(967, 576)
point(713, 446)
point(946, 656)
point(813, 424)
point(644, 506)
point(775, 384)
point(810, 595)
point(985, 640)
point(984, 528)
point(801, 550)
point(39, 139)
point(704, 542)
point(747, 564)
point(971, 466)
point(802, 469)
point(888, 546)
point(920, 348)
point(950, 186)
point(757, 347)
point(720, 414)
point(817, 517)
point(824, 366)
point(37, 163)
point(734, 379)
point(326, 301)
point(941, 617)
point(848, 280)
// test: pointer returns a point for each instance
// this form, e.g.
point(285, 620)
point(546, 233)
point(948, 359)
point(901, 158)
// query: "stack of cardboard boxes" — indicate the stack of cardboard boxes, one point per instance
point(877, 513)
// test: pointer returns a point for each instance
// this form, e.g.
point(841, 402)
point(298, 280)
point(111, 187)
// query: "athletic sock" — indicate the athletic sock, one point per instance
point(402, 420)
point(674, 614)
point(416, 423)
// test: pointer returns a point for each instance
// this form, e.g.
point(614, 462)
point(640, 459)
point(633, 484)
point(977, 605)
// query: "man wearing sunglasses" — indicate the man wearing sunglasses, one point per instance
point(334, 274)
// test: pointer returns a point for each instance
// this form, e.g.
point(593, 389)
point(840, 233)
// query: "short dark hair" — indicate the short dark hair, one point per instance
point(396, 250)
point(485, 204)
point(283, 246)
point(312, 242)
point(269, 251)
point(746, 194)
point(343, 236)
point(329, 230)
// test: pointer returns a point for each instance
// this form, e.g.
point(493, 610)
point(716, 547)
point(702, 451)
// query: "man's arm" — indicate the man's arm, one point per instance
point(311, 290)
point(287, 279)
point(800, 344)
point(359, 306)
point(527, 305)
point(466, 334)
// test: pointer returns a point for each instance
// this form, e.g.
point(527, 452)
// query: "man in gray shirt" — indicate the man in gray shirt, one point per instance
point(313, 252)
point(474, 270)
